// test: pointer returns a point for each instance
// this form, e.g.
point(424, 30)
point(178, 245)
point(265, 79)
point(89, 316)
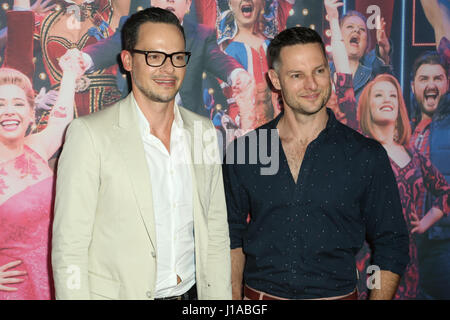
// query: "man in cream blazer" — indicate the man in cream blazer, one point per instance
point(113, 229)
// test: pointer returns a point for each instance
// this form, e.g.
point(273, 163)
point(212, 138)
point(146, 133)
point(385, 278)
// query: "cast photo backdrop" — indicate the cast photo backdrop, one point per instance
point(389, 63)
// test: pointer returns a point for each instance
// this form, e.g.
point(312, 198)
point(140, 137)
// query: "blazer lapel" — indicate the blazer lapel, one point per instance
point(195, 131)
point(132, 149)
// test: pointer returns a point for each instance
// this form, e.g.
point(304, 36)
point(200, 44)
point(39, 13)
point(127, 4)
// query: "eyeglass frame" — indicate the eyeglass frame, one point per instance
point(166, 55)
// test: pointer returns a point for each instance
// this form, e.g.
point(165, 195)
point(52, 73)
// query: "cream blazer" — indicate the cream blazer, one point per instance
point(104, 242)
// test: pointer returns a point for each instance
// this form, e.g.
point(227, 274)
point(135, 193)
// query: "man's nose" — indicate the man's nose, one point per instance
point(168, 66)
point(311, 83)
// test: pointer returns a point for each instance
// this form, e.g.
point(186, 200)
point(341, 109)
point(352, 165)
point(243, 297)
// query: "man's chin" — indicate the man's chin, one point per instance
point(429, 110)
point(308, 109)
point(160, 98)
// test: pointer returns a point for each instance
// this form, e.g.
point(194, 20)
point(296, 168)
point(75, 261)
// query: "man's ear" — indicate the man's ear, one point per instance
point(273, 76)
point(127, 60)
point(412, 87)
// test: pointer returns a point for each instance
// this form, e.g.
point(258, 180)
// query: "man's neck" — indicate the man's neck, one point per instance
point(160, 115)
point(426, 117)
point(299, 126)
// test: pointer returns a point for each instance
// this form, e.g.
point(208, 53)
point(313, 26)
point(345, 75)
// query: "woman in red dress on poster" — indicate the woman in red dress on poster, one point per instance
point(381, 114)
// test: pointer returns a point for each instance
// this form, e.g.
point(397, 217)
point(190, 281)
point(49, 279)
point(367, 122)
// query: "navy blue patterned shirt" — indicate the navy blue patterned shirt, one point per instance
point(301, 239)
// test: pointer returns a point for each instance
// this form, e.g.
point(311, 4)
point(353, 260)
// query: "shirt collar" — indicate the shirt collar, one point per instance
point(144, 125)
point(331, 122)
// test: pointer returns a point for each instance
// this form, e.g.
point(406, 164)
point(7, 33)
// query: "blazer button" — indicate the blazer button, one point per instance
point(153, 254)
point(149, 294)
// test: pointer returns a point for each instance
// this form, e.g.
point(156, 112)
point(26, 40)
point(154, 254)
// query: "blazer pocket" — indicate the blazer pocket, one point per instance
point(103, 287)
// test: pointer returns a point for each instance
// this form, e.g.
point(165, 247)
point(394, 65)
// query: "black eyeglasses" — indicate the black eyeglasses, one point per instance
point(157, 58)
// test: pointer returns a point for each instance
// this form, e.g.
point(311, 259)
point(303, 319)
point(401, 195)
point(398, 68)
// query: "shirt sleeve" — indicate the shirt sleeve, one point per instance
point(436, 184)
point(386, 231)
point(237, 201)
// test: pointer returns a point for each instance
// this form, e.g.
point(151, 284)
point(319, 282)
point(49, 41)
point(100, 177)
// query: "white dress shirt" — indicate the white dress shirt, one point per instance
point(171, 180)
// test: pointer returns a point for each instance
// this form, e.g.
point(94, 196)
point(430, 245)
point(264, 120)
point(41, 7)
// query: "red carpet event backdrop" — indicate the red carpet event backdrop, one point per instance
point(400, 44)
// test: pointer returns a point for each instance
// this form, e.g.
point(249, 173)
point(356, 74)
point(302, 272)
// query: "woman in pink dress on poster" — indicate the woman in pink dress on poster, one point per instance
point(26, 180)
point(26, 183)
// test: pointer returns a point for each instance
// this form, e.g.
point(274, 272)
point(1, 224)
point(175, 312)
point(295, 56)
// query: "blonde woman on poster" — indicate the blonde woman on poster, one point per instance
point(26, 182)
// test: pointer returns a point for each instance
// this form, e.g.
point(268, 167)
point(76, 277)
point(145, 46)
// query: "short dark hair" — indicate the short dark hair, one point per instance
point(290, 37)
point(428, 57)
point(156, 15)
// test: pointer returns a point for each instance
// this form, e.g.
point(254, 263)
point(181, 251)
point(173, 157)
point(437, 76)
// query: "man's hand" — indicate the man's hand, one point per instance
point(331, 6)
point(420, 226)
point(240, 81)
point(237, 272)
point(73, 62)
point(41, 7)
point(245, 99)
point(388, 286)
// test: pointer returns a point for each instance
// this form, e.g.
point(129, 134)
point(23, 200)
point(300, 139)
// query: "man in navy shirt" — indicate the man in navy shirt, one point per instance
point(295, 231)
